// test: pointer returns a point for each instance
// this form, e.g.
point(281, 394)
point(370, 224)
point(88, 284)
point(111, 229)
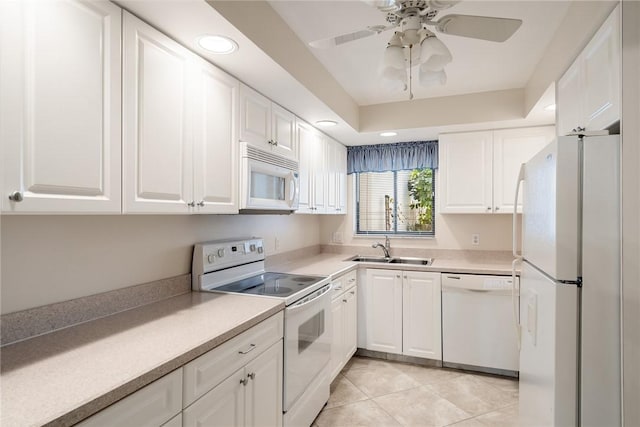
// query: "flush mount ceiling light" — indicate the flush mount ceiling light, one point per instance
point(326, 123)
point(218, 44)
point(388, 133)
point(550, 107)
point(414, 45)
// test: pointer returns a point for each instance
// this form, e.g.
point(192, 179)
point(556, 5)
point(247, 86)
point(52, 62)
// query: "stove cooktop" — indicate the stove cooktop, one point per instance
point(271, 284)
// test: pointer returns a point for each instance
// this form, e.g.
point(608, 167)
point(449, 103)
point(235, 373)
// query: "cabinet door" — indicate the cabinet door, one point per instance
point(255, 118)
point(222, 406)
point(421, 326)
point(320, 175)
point(342, 179)
point(601, 74)
point(157, 152)
point(337, 343)
point(465, 172)
point(384, 310)
point(307, 143)
point(350, 324)
point(511, 148)
point(283, 132)
point(569, 114)
point(60, 108)
point(264, 390)
point(215, 140)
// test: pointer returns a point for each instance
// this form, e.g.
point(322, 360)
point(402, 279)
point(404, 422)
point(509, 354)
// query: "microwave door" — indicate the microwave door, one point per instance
point(270, 186)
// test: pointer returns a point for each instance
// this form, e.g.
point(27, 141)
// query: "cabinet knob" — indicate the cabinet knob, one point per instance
point(275, 143)
point(405, 277)
point(497, 208)
point(488, 208)
point(251, 375)
point(344, 300)
point(16, 196)
point(352, 292)
point(398, 276)
point(244, 381)
point(191, 204)
point(201, 203)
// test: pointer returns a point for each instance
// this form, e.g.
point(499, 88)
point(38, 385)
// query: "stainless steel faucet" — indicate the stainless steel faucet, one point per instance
point(385, 248)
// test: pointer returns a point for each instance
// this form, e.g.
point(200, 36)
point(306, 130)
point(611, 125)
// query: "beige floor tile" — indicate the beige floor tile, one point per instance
point(380, 380)
point(505, 417)
point(428, 375)
point(473, 395)
point(357, 362)
point(366, 413)
point(344, 392)
point(471, 422)
point(420, 407)
point(503, 383)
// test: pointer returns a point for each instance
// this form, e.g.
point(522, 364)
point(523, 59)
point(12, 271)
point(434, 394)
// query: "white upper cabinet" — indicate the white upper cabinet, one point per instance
point(511, 148)
point(465, 172)
point(313, 174)
point(267, 125)
point(215, 157)
point(336, 170)
point(60, 108)
point(157, 146)
point(478, 170)
point(588, 95)
point(180, 128)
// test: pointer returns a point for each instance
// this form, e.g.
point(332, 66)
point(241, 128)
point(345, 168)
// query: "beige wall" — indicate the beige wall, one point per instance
point(47, 259)
point(452, 231)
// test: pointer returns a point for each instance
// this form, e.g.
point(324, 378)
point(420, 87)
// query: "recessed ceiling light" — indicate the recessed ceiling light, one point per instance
point(388, 134)
point(326, 123)
point(550, 107)
point(218, 44)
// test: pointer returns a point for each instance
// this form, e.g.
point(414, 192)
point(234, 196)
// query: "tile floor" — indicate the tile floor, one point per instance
point(372, 392)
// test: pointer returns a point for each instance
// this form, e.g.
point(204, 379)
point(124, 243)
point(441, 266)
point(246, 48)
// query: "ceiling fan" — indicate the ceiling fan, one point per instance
point(414, 42)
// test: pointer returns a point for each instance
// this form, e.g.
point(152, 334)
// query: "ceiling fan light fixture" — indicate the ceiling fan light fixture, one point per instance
point(394, 80)
point(394, 53)
point(429, 78)
point(434, 55)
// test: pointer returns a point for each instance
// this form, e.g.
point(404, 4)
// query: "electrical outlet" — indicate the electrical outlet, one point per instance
point(475, 239)
point(276, 244)
point(336, 237)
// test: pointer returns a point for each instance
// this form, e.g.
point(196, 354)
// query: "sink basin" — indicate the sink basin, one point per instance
point(414, 261)
point(359, 258)
point(395, 260)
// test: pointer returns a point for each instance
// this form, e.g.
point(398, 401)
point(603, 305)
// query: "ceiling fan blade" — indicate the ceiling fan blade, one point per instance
point(349, 37)
point(478, 27)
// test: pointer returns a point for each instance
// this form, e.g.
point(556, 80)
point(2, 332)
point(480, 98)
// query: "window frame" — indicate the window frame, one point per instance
point(394, 232)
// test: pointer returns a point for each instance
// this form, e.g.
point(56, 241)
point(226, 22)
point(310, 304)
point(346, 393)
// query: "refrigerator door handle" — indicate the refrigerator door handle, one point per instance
point(517, 258)
point(515, 213)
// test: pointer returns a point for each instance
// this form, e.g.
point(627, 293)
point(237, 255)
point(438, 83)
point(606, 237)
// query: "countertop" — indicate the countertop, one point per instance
point(334, 265)
point(65, 376)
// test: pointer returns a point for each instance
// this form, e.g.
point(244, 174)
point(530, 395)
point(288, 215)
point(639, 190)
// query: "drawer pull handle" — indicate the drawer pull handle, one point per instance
point(337, 288)
point(251, 375)
point(352, 280)
point(453, 277)
point(352, 292)
point(251, 348)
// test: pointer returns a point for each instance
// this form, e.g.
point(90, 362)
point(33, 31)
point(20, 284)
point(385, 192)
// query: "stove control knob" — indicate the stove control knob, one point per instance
point(221, 252)
point(211, 258)
point(260, 250)
point(252, 248)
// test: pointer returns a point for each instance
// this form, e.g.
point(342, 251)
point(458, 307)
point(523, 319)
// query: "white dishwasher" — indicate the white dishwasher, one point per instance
point(478, 330)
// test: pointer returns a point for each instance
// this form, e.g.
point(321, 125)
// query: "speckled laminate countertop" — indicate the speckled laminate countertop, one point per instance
point(65, 376)
point(334, 265)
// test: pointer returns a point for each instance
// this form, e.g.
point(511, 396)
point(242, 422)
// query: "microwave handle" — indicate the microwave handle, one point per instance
point(294, 186)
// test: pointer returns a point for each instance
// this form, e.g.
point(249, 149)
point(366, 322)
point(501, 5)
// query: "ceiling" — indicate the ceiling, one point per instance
point(477, 66)
point(490, 85)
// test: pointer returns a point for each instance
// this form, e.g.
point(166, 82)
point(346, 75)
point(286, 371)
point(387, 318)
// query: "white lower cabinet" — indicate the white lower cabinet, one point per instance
point(154, 405)
point(402, 312)
point(344, 311)
point(251, 396)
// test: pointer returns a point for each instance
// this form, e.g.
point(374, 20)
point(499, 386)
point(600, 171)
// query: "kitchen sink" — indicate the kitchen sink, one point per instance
point(394, 260)
point(414, 261)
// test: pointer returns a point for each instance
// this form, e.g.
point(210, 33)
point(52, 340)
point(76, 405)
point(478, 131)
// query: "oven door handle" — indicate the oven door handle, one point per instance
point(298, 306)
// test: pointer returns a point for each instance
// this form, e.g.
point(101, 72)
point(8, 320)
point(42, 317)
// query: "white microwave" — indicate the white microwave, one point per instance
point(269, 182)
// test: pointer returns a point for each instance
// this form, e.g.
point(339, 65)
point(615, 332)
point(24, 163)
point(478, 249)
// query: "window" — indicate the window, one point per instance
point(400, 202)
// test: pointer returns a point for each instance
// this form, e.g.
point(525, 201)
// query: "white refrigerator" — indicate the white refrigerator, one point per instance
point(570, 370)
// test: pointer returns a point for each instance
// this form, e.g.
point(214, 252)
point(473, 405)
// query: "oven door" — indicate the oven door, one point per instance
point(269, 187)
point(307, 347)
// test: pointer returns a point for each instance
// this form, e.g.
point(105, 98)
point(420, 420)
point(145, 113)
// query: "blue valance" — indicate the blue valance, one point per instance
point(392, 157)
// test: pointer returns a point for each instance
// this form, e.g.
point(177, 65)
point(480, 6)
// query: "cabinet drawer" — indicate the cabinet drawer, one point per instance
point(342, 283)
point(210, 369)
point(152, 405)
